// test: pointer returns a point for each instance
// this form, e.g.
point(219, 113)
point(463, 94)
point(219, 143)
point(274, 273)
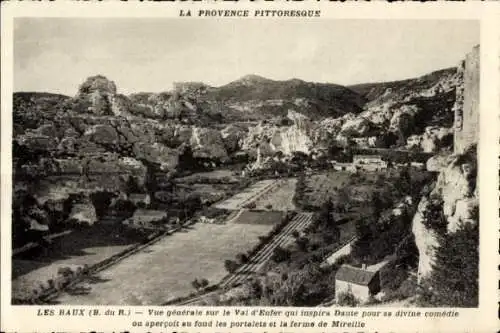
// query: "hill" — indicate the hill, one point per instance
point(372, 91)
point(266, 97)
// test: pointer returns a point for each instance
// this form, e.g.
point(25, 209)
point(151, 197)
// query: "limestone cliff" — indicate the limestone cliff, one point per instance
point(286, 139)
point(456, 188)
point(457, 194)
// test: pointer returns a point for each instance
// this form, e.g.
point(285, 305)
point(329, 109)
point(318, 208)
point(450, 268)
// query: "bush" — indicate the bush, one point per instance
point(347, 299)
point(455, 274)
point(434, 217)
point(251, 205)
point(242, 258)
point(280, 254)
point(230, 266)
point(269, 206)
point(204, 283)
point(196, 284)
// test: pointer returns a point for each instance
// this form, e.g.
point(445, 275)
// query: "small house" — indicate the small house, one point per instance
point(358, 281)
point(147, 219)
point(369, 162)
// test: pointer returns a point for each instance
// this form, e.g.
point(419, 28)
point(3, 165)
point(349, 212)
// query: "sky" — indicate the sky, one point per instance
point(149, 54)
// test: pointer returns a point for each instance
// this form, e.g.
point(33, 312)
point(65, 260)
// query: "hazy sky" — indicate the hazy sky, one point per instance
point(56, 55)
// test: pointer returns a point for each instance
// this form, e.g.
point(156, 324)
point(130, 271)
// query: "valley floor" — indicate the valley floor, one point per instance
point(166, 269)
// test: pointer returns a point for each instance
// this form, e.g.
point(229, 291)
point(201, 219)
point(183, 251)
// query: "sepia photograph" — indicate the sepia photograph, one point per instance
point(294, 163)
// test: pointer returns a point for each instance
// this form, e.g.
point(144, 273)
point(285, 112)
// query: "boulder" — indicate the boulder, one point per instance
point(84, 213)
point(102, 134)
point(437, 162)
point(166, 158)
point(356, 127)
point(402, 119)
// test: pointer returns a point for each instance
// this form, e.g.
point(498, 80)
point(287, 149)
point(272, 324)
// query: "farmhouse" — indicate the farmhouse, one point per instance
point(358, 281)
point(369, 162)
point(147, 219)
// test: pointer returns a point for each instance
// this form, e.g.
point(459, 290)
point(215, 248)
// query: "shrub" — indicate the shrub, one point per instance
point(196, 284)
point(269, 206)
point(302, 243)
point(204, 283)
point(454, 278)
point(347, 299)
point(230, 266)
point(65, 271)
point(434, 217)
point(251, 205)
point(280, 254)
point(242, 258)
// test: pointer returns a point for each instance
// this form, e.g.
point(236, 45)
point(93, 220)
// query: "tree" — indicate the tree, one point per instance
point(302, 243)
point(196, 284)
point(280, 254)
point(231, 266)
point(347, 299)
point(242, 258)
point(434, 217)
point(455, 274)
point(364, 233)
point(204, 283)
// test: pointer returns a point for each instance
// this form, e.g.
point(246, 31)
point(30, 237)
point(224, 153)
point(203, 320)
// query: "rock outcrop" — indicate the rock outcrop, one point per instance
point(432, 140)
point(286, 139)
point(467, 103)
point(456, 187)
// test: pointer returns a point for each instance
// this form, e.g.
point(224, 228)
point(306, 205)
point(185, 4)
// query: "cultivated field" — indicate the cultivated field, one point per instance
point(247, 196)
point(280, 198)
point(166, 269)
point(324, 186)
point(208, 177)
point(257, 262)
point(78, 248)
point(259, 217)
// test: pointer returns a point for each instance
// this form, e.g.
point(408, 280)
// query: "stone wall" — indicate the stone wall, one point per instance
point(467, 103)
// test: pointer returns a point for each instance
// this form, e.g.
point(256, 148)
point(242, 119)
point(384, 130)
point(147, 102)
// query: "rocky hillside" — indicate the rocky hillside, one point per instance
point(454, 201)
point(263, 98)
point(68, 150)
point(372, 91)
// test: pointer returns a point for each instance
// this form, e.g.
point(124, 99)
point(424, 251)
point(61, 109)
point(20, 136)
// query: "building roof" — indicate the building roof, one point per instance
point(367, 156)
point(354, 275)
point(145, 216)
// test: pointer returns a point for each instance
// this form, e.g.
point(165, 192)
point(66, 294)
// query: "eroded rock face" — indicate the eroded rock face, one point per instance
point(232, 137)
point(286, 139)
point(207, 143)
point(437, 162)
point(157, 153)
point(356, 127)
point(432, 140)
point(456, 186)
point(425, 240)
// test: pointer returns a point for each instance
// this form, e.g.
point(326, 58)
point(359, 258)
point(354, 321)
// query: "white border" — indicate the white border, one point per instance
point(484, 319)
